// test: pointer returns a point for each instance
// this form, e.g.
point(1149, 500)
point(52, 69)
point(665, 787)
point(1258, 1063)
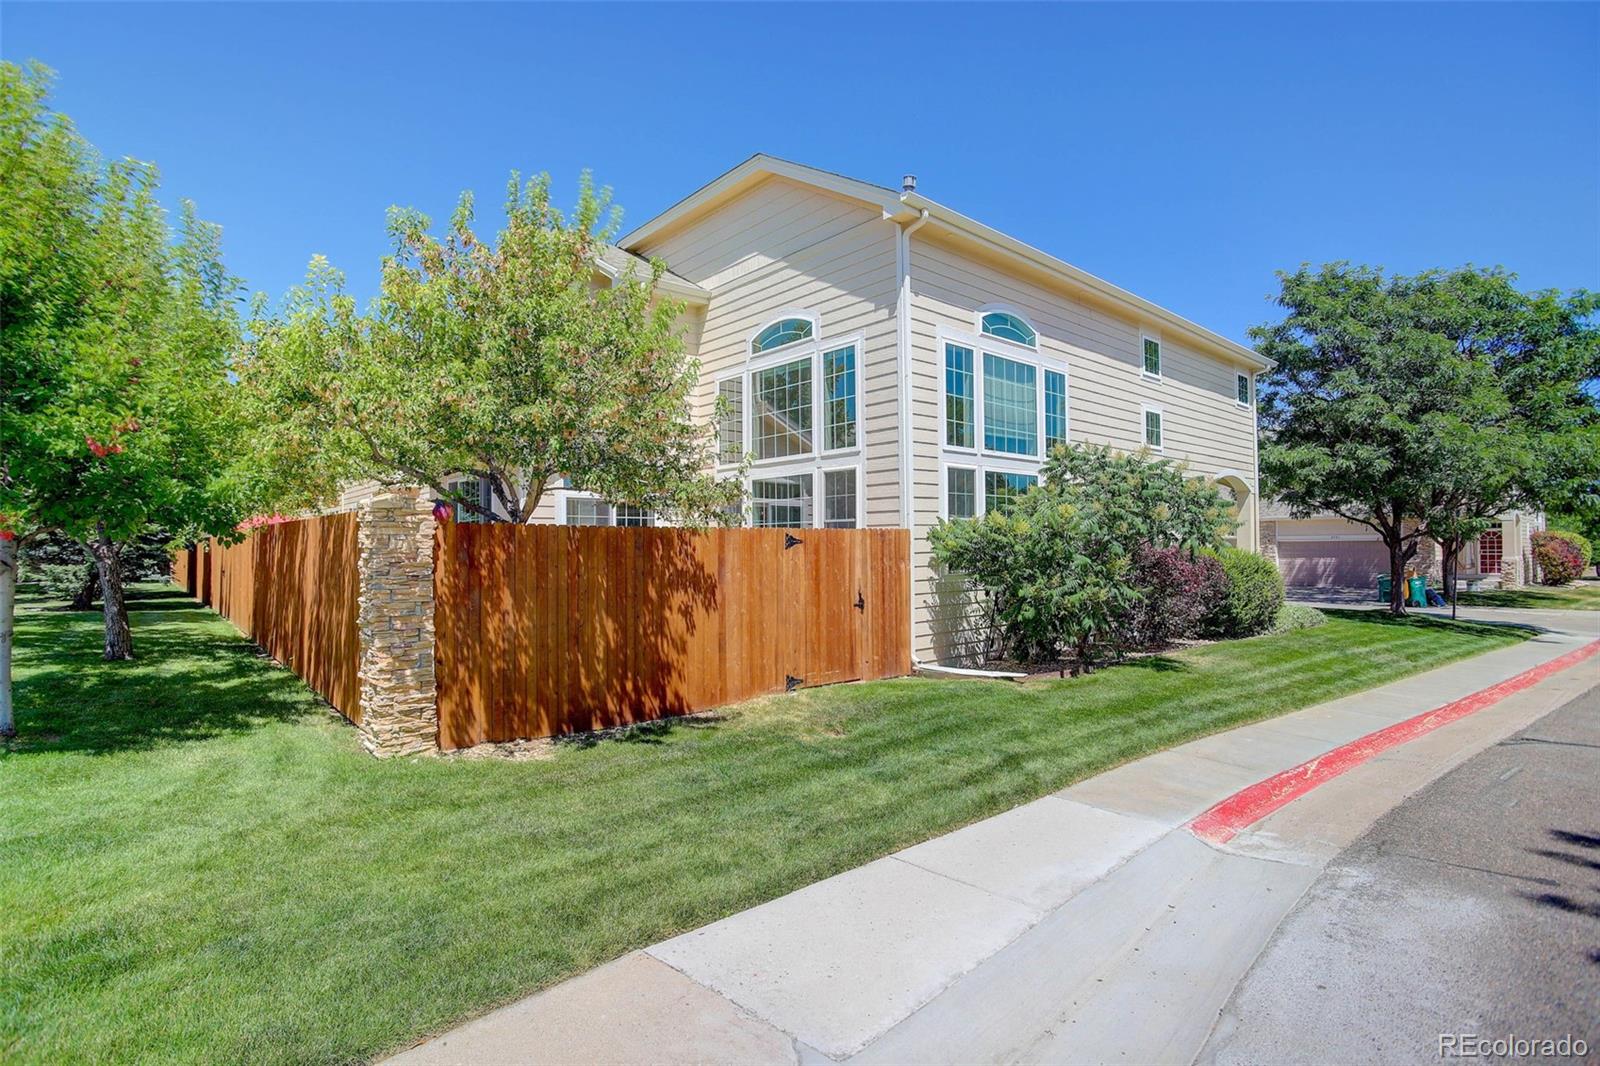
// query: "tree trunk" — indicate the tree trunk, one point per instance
point(1397, 579)
point(8, 616)
point(89, 591)
point(119, 638)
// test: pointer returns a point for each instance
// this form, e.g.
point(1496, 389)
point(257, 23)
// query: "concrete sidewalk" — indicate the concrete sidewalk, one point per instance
point(1088, 925)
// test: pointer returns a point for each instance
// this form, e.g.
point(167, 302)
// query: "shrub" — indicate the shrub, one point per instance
point(1560, 561)
point(1579, 541)
point(1058, 561)
point(1292, 616)
point(1177, 591)
point(1255, 593)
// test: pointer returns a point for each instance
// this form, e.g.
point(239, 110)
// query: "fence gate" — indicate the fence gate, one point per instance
point(543, 630)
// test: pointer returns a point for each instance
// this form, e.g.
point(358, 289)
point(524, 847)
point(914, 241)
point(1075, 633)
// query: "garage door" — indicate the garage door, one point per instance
point(1331, 563)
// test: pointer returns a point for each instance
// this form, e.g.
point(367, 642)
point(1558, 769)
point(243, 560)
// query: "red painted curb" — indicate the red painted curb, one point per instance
point(1224, 821)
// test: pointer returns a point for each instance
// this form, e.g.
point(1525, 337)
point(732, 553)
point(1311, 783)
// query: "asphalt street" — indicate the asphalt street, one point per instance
point(1472, 909)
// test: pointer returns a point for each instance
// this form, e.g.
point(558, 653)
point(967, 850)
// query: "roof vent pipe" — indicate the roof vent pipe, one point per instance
point(908, 183)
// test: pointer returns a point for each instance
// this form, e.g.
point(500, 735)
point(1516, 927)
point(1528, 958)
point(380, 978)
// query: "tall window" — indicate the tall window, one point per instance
point(785, 331)
point(1010, 406)
point(1008, 327)
point(839, 398)
point(1152, 357)
point(961, 491)
point(1055, 409)
point(782, 410)
point(730, 421)
point(1241, 384)
point(839, 499)
point(960, 396)
point(1001, 487)
point(782, 502)
point(1152, 427)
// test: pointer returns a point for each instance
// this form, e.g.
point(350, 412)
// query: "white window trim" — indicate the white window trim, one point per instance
point(989, 309)
point(855, 341)
point(980, 468)
point(1145, 409)
point(744, 413)
point(979, 344)
point(1250, 389)
point(792, 312)
point(791, 469)
point(812, 349)
point(1161, 356)
point(819, 512)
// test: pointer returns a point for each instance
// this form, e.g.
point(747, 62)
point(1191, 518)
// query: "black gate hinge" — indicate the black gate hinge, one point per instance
point(790, 682)
point(791, 541)
point(861, 602)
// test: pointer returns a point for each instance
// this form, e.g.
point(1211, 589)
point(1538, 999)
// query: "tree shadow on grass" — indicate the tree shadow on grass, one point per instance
point(1423, 621)
point(188, 683)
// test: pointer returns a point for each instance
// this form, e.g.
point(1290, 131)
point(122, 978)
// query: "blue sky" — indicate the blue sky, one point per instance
point(1184, 152)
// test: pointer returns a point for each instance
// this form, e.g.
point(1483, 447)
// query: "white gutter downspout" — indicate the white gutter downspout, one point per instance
point(902, 314)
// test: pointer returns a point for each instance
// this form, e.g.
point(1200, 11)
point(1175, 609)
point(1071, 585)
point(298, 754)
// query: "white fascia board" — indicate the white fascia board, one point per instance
point(761, 164)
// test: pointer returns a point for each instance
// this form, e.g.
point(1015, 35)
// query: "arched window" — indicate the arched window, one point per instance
point(784, 331)
point(1009, 327)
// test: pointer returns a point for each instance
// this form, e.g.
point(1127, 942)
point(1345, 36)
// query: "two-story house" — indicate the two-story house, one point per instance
point(887, 361)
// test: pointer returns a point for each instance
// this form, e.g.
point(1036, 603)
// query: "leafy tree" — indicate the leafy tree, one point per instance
point(1060, 563)
point(507, 362)
point(1412, 405)
point(119, 413)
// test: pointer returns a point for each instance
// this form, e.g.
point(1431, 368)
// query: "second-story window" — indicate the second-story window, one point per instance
point(960, 395)
point(782, 410)
point(1241, 386)
point(784, 331)
point(1152, 357)
point(839, 398)
point(1010, 406)
point(730, 420)
point(1055, 409)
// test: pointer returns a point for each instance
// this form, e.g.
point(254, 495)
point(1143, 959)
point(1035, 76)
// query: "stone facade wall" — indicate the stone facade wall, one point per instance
point(1269, 540)
point(399, 715)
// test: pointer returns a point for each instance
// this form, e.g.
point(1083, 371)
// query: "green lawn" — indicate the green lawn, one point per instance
point(199, 863)
point(1583, 596)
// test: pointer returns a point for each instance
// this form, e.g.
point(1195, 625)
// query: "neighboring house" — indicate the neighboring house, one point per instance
point(887, 361)
point(1326, 551)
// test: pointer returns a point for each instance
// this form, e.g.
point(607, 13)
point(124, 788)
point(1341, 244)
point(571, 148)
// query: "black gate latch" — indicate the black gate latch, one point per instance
point(790, 682)
point(790, 541)
point(861, 602)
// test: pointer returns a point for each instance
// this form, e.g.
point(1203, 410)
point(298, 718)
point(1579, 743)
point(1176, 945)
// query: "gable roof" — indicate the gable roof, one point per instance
point(905, 207)
point(614, 263)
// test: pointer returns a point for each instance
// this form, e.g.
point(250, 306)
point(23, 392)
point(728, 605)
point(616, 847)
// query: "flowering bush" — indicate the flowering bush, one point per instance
point(1560, 561)
point(1579, 541)
point(1177, 589)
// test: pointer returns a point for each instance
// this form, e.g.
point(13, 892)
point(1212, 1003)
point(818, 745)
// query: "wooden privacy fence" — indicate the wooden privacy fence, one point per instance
point(293, 589)
point(545, 630)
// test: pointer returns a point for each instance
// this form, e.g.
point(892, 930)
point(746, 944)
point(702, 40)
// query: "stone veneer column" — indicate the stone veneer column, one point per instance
point(399, 715)
point(1269, 540)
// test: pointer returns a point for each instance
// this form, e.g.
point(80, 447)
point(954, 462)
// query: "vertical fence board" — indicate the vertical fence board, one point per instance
point(545, 630)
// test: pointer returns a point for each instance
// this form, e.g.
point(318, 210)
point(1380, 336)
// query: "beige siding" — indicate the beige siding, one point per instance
point(785, 246)
point(1203, 425)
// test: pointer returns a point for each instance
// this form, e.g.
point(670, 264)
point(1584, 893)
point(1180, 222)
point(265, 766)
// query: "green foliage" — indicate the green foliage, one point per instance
point(1293, 616)
point(1254, 597)
point(514, 362)
point(1560, 560)
point(1578, 541)
point(117, 410)
point(1427, 405)
point(1059, 562)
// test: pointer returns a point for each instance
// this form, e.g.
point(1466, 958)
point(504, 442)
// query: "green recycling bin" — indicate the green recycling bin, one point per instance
point(1383, 588)
point(1417, 591)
